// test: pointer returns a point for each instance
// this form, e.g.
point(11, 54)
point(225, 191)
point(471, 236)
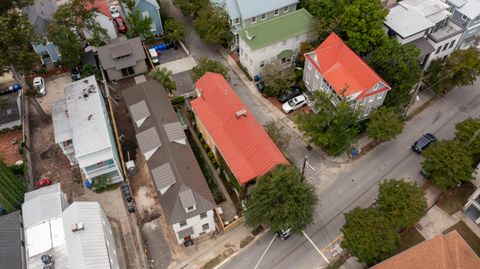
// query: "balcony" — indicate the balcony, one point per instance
point(448, 31)
point(94, 171)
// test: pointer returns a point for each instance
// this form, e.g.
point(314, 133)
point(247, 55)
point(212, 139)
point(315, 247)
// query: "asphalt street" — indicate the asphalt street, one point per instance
point(341, 187)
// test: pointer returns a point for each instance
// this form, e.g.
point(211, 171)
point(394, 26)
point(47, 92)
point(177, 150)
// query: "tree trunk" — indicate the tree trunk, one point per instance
point(21, 80)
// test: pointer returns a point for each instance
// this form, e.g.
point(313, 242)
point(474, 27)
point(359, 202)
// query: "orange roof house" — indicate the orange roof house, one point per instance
point(448, 251)
point(101, 6)
point(334, 68)
point(232, 131)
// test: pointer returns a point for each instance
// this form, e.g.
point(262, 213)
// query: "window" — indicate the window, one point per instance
point(477, 18)
point(366, 111)
point(309, 66)
point(146, 15)
point(317, 75)
point(275, 13)
point(451, 44)
point(380, 95)
point(254, 19)
point(264, 16)
point(284, 43)
point(203, 215)
point(183, 223)
point(464, 18)
point(190, 208)
point(445, 47)
point(237, 21)
point(262, 63)
point(438, 50)
point(128, 71)
point(371, 98)
point(285, 9)
point(205, 226)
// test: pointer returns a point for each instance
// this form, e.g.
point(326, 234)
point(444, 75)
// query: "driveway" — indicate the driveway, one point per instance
point(54, 86)
point(179, 66)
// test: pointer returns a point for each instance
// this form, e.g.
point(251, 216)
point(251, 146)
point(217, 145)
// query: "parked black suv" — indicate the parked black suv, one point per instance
point(289, 94)
point(423, 143)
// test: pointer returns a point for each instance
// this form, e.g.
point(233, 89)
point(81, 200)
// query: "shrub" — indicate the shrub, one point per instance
point(179, 100)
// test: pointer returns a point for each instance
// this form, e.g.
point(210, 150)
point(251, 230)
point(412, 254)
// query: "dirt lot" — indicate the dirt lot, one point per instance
point(9, 145)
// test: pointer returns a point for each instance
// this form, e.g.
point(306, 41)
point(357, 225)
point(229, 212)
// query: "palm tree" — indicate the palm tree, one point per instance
point(163, 76)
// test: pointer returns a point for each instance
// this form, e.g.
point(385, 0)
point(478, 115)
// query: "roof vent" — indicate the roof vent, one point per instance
point(85, 93)
point(241, 112)
point(77, 227)
point(91, 89)
point(249, 37)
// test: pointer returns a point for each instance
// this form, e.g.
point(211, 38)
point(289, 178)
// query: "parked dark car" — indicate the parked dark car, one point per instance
point(75, 74)
point(121, 25)
point(284, 235)
point(260, 86)
point(423, 143)
point(289, 94)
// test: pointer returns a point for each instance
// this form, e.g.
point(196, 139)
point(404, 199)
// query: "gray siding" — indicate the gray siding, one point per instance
point(468, 35)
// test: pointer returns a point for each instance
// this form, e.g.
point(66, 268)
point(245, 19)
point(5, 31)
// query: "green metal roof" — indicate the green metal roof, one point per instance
point(280, 28)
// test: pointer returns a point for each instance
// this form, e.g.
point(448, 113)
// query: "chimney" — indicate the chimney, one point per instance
point(77, 227)
point(241, 112)
point(200, 94)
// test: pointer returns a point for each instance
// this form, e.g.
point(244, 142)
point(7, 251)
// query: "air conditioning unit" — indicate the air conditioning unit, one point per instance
point(77, 227)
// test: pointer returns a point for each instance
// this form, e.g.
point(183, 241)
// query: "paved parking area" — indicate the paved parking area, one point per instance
point(180, 65)
point(54, 86)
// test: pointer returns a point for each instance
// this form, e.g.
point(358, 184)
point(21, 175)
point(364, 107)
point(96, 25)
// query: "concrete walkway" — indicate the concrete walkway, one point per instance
point(179, 66)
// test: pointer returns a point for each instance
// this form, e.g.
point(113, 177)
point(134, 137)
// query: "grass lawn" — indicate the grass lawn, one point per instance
point(468, 235)
point(409, 238)
point(454, 200)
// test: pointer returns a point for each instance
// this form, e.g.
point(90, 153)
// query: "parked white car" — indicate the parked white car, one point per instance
point(39, 86)
point(153, 55)
point(114, 12)
point(294, 103)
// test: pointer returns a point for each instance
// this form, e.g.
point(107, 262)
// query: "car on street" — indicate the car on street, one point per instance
point(114, 12)
point(75, 74)
point(121, 26)
point(39, 86)
point(423, 143)
point(289, 94)
point(294, 103)
point(284, 235)
point(43, 182)
point(260, 86)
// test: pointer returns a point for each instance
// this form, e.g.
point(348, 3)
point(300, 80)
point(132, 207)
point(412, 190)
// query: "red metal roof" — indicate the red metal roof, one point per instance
point(101, 6)
point(242, 141)
point(344, 69)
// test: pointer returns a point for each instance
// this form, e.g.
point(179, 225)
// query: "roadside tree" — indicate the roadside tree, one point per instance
point(368, 235)
point(278, 134)
point(205, 65)
point(68, 42)
point(467, 133)
point(277, 79)
point(189, 7)
point(385, 124)
point(281, 200)
point(139, 26)
point(164, 76)
point(398, 65)
point(173, 30)
point(460, 68)
point(403, 203)
point(332, 127)
point(362, 23)
point(212, 25)
point(447, 164)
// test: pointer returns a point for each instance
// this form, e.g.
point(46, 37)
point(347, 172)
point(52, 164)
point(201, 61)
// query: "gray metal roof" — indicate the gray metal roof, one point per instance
point(163, 176)
point(43, 204)
point(120, 50)
point(232, 9)
point(186, 198)
point(406, 22)
point(9, 108)
point(251, 8)
point(148, 140)
point(179, 156)
point(139, 111)
point(117, 47)
point(62, 131)
point(185, 233)
point(87, 248)
point(470, 8)
point(424, 46)
point(174, 131)
point(10, 241)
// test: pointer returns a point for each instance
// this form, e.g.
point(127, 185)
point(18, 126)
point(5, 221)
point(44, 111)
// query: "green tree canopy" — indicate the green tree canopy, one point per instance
point(332, 127)
point(368, 235)
point(11, 189)
point(68, 42)
point(385, 124)
point(7, 5)
point(278, 134)
point(403, 203)
point(277, 78)
point(467, 133)
point(213, 26)
point(164, 76)
point(398, 65)
point(362, 23)
point(328, 16)
point(189, 7)
point(281, 200)
point(460, 68)
point(447, 163)
point(139, 26)
point(173, 30)
point(205, 65)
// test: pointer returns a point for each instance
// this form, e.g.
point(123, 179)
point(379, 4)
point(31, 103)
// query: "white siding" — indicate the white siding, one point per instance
point(196, 223)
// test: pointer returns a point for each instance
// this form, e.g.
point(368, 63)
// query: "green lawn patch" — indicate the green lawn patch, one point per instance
point(455, 199)
point(247, 240)
point(409, 238)
point(214, 262)
point(468, 235)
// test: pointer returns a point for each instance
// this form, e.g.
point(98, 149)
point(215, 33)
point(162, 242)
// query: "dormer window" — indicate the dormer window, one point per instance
point(464, 18)
point(275, 12)
point(237, 21)
point(254, 19)
point(190, 208)
point(285, 9)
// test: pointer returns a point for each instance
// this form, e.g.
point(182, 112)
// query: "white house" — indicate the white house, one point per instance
point(425, 24)
point(82, 130)
point(76, 236)
point(274, 41)
point(184, 195)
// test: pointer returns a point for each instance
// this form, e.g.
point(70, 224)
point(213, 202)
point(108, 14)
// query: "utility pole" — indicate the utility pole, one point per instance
point(303, 168)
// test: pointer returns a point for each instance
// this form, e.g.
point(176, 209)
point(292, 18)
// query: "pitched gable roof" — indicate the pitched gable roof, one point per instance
point(448, 251)
point(173, 165)
point(101, 6)
point(343, 69)
point(242, 141)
